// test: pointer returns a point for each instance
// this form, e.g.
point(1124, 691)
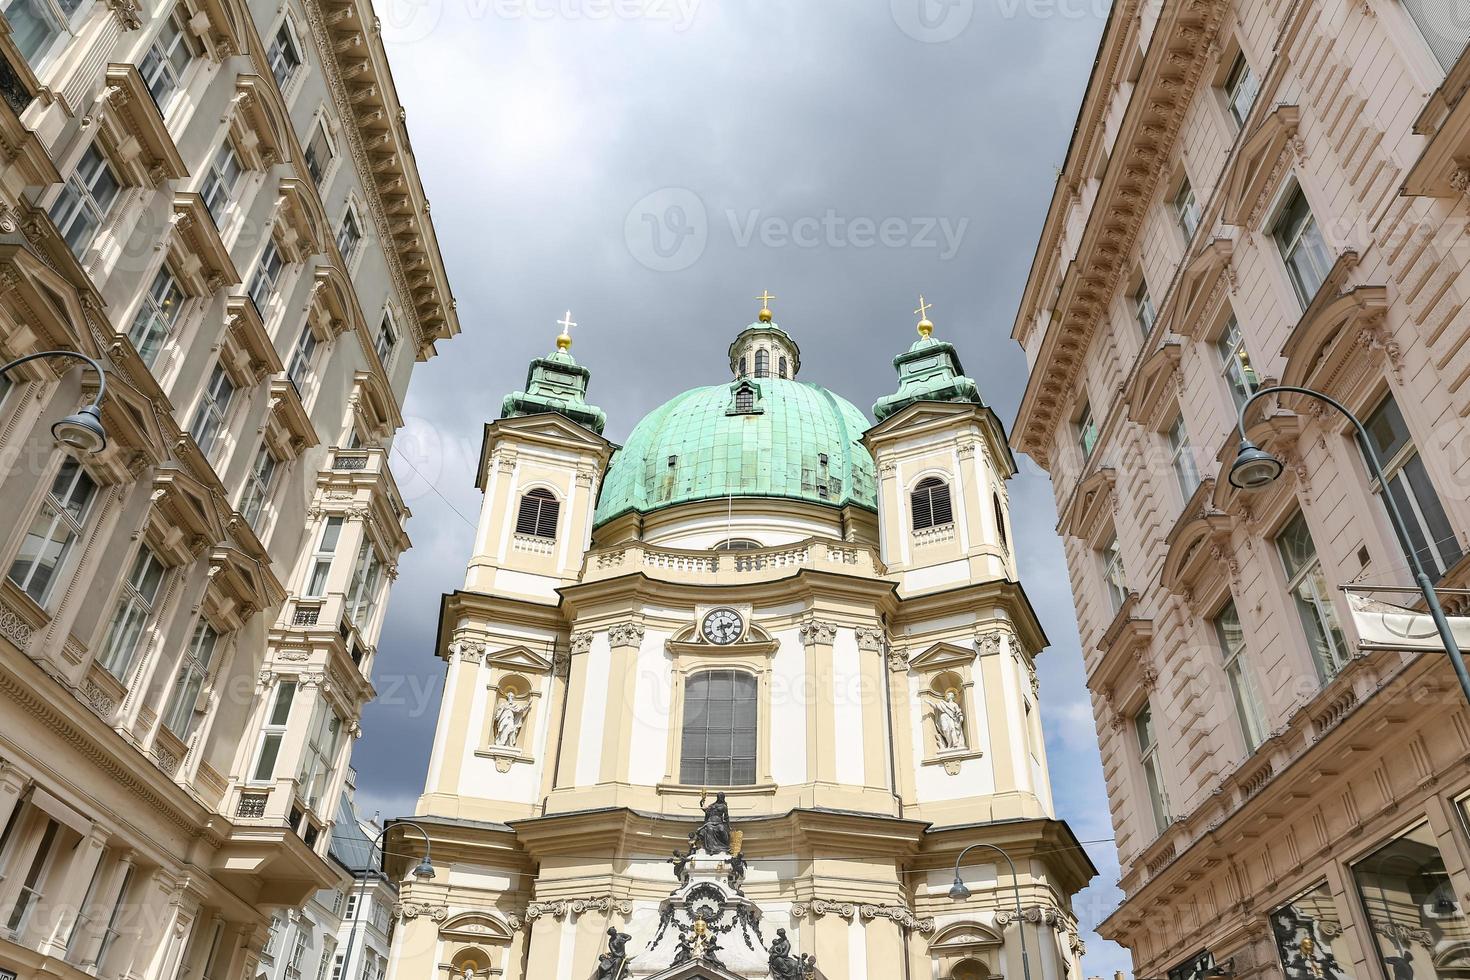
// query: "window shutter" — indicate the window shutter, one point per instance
point(923, 514)
point(537, 514)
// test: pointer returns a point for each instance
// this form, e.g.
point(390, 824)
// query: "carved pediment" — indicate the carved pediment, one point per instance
point(1197, 297)
point(257, 124)
point(1091, 509)
point(1258, 166)
point(39, 310)
point(1197, 546)
point(288, 428)
point(548, 429)
point(300, 224)
point(135, 439)
point(196, 252)
point(1155, 388)
point(186, 517)
point(941, 655)
point(965, 937)
point(239, 587)
point(519, 658)
point(219, 24)
point(374, 404)
point(1327, 349)
point(476, 927)
point(695, 971)
point(333, 308)
point(133, 131)
point(248, 353)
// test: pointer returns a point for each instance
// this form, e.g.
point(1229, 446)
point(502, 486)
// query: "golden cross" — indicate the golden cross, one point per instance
point(765, 297)
point(924, 308)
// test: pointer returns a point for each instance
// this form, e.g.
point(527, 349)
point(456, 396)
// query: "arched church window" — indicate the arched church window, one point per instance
point(737, 544)
point(1000, 520)
point(970, 970)
point(745, 399)
point(781, 367)
point(718, 745)
point(742, 367)
point(931, 504)
point(537, 514)
point(762, 364)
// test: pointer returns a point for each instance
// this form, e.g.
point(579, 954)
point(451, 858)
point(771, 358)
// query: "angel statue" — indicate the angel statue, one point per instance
point(510, 715)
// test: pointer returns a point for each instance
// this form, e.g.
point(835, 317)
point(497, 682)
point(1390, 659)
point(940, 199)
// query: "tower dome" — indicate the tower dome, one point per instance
point(751, 437)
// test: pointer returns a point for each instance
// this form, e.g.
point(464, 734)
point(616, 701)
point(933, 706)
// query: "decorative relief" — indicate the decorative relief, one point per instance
point(625, 635)
point(989, 641)
point(561, 663)
point(468, 651)
point(581, 642)
point(903, 915)
point(819, 907)
point(412, 910)
point(577, 906)
point(166, 760)
point(101, 702)
point(898, 660)
point(818, 631)
point(15, 629)
point(869, 638)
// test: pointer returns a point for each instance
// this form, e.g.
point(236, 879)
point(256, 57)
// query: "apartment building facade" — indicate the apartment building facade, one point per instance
point(1265, 192)
point(218, 201)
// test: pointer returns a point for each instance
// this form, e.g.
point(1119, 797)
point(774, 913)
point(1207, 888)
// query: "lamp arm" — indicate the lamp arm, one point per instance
point(1016, 891)
point(1395, 516)
point(101, 374)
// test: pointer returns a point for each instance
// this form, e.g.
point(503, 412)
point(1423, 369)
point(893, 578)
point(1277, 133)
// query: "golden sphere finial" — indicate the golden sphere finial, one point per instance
point(925, 327)
point(765, 314)
point(564, 339)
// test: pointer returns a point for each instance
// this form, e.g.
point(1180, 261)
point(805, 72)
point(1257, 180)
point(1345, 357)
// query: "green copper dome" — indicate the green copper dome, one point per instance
point(752, 437)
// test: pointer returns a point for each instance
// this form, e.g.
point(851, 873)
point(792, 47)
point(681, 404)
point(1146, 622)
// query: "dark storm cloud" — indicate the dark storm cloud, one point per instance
point(654, 165)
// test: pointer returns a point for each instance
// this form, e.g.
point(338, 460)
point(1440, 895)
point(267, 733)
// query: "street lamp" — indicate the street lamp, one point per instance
point(1254, 468)
point(82, 430)
point(423, 872)
point(959, 892)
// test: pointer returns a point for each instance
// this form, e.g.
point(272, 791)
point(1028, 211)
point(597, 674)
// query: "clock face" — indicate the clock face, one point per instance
point(722, 626)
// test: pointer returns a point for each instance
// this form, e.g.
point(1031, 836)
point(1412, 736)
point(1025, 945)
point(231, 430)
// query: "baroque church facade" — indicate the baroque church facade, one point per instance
point(729, 700)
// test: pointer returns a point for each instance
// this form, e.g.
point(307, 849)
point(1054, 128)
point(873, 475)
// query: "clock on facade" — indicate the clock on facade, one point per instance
point(722, 626)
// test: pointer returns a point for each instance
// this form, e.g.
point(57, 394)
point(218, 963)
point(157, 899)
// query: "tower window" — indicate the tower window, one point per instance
point(745, 399)
point(742, 367)
point(537, 514)
point(781, 367)
point(1000, 521)
point(719, 729)
point(762, 364)
point(931, 504)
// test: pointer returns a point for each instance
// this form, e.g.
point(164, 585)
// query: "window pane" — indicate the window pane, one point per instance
point(1418, 926)
point(281, 710)
point(270, 747)
point(1305, 929)
point(718, 740)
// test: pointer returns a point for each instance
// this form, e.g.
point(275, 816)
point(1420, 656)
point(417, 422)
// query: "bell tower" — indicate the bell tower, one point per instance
point(942, 463)
point(540, 467)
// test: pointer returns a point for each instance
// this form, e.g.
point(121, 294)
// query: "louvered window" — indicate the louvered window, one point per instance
point(931, 504)
point(537, 515)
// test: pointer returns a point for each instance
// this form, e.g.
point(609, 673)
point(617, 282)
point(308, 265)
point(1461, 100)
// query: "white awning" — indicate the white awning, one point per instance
point(1385, 626)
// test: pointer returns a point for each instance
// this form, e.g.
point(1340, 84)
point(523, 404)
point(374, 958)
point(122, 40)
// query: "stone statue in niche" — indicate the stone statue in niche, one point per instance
point(949, 721)
point(510, 715)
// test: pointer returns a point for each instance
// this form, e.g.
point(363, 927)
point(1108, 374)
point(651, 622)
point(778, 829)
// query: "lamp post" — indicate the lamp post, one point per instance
point(958, 892)
point(1254, 468)
point(82, 430)
point(423, 872)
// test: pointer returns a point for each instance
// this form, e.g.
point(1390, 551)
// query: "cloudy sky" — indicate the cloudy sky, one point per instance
point(653, 165)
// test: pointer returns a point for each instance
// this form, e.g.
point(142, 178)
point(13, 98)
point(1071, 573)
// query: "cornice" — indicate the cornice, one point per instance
point(1172, 66)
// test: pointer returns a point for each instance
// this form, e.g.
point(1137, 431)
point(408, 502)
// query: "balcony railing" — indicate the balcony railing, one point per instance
point(13, 88)
point(817, 554)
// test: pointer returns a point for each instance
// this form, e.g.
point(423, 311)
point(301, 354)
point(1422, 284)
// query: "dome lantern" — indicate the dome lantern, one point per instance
point(763, 349)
